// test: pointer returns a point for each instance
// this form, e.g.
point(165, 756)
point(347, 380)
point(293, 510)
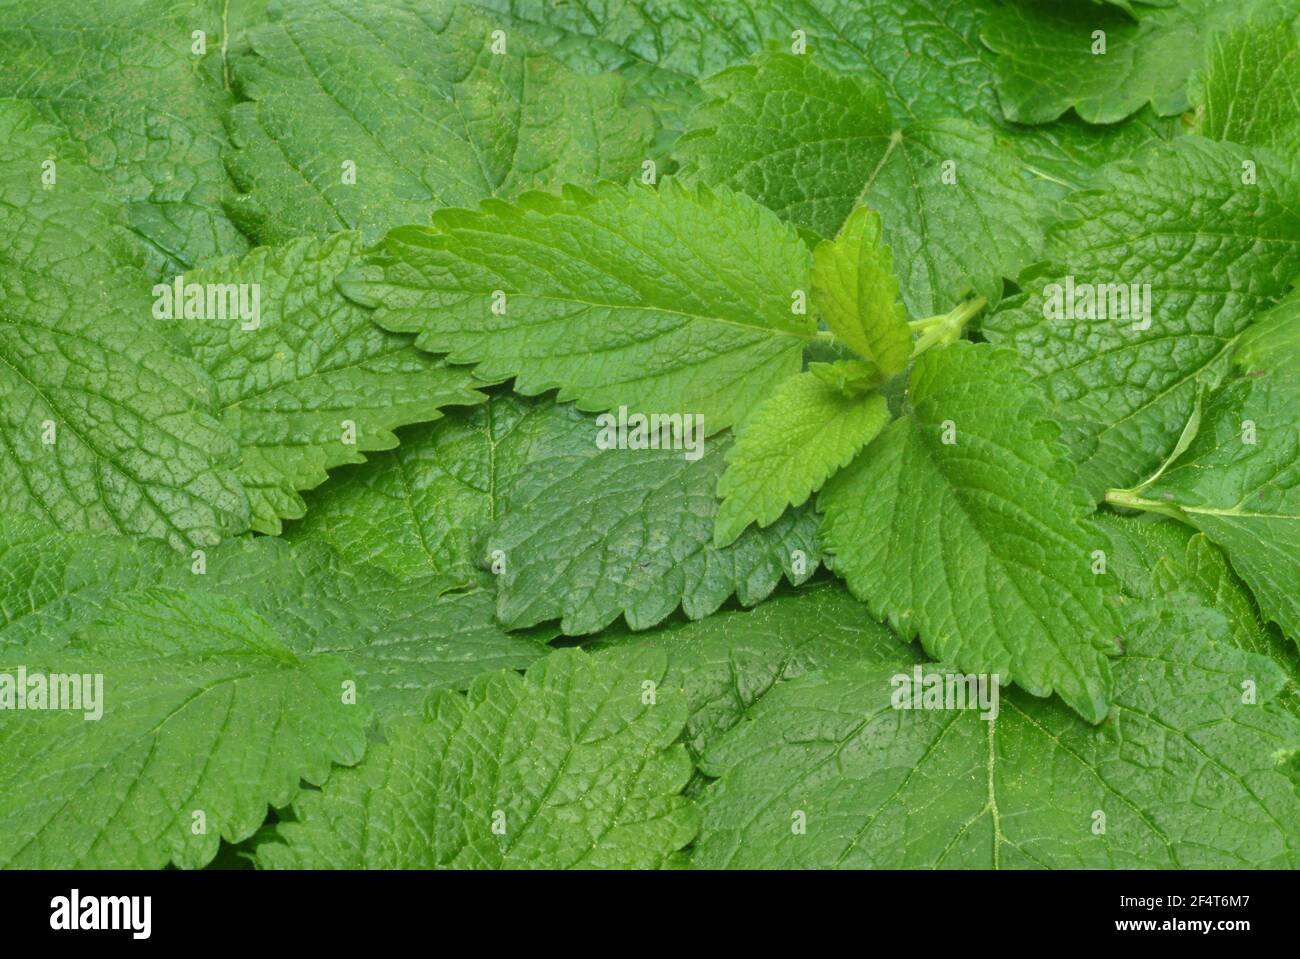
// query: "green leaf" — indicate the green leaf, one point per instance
point(423, 110)
point(1248, 88)
point(1182, 774)
point(1239, 479)
point(961, 524)
point(729, 661)
point(287, 389)
point(631, 532)
point(420, 509)
point(139, 106)
point(1161, 559)
point(1103, 63)
point(814, 145)
point(102, 427)
point(398, 639)
point(925, 52)
point(205, 712)
point(573, 764)
point(52, 585)
point(856, 292)
point(788, 447)
point(1214, 251)
point(678, 300)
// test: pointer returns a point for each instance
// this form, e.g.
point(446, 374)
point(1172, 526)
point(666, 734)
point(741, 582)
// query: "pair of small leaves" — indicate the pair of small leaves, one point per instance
point(816, 421)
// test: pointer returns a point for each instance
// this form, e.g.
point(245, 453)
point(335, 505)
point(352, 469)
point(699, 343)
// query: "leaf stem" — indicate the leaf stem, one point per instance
point(946, 327)
point(1129, 499)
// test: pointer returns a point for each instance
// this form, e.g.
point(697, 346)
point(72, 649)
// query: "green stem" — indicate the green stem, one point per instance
point(1129, 499)
point(945, 328)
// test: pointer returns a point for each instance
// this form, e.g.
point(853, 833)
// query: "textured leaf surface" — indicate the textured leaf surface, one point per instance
point(413, 96)
point(101, 426)
point(729, 661)
point(287, 390)
point(1184, 774)
point(420, 509)
point(927, 54)
point(1051, 59)
point(677, 301)
point(1214, 250)
point(205, 709)
point(788, 447)
point(1248, 88)
point(1167, 560)
point(977, 545)
point(631, 532)
point(856, 292)
point(813, 145)
point(569, 761)
point(398, 639)
point(138, 105)
point(1239, 480)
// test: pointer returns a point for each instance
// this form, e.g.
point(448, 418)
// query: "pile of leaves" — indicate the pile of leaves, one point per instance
point(364, 586)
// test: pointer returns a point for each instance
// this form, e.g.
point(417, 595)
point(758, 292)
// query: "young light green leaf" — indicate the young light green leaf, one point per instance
point(305, 381)
point(420, 509)
point(433, 105)
point(961, 524)
point(138, 88)
point(102, 426)
point(630, 532)
point(1183, 774)
point(856, 292)
point(205, 717)
point(813, 145)
point(571, 766)
point(788, 447)
point(681, 300)
point(1153, 274)
point(729, 661)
